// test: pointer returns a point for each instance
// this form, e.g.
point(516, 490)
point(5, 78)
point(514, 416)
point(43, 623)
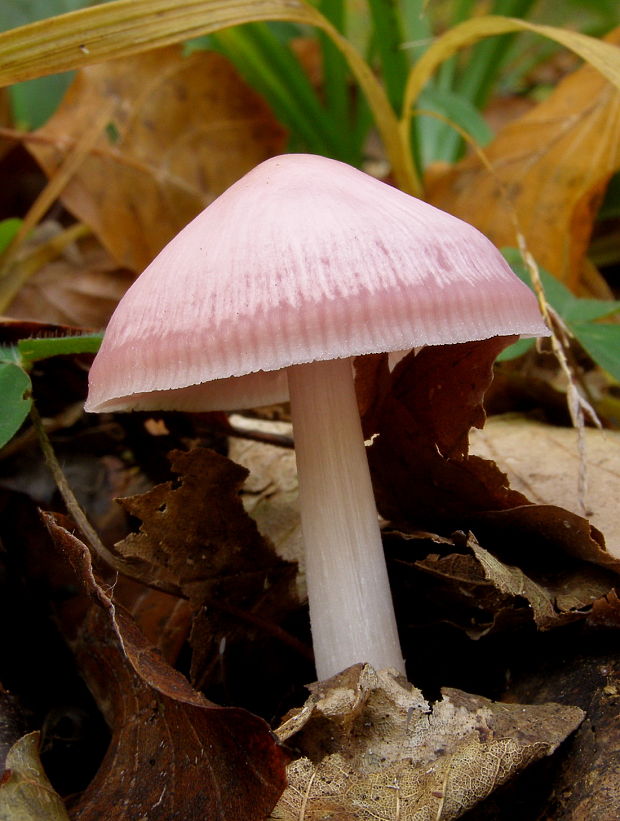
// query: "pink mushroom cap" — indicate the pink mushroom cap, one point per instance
point(303, 259)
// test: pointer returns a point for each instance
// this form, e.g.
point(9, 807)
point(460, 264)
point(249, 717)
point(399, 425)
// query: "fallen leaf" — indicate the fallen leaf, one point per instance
point(164, 619)
point(25, 791)
point(458, 582)
point(81, 288)
point(196, 540)
point(606, 611)
point(270, 492)
point(172, 752)
point(516, 444)
point(418, 458)
point(550, 169)
point(424, 477)
point(374, 749)
point(181, 130)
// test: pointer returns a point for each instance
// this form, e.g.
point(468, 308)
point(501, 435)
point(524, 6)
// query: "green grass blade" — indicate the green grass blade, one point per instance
point(335, 72)
point(416, 26)
point(388, 40)
point(603, 56)
point(516, 349)
point(437, 139)
point(270, 66)
point(8, 229)
point(124, 27)
point(476, 81)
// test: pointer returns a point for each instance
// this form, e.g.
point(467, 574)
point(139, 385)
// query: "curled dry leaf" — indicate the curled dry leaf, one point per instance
point(25, 791)
point(459, 582)
point(374, 750)
point(421, 472)
point(550, 169)
point(172, 752)
point(523, 561)
point(197, 540)
point(425, 478)
point(181, 130)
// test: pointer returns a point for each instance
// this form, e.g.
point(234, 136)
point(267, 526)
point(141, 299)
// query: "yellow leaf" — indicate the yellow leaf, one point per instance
point(171, 152)
point(602, 56)
point(25, 792)
point(549, 170)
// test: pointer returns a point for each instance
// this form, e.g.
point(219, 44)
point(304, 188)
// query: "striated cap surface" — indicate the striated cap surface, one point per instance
point(303, 259)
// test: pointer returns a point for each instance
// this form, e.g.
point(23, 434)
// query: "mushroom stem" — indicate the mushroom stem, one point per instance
point(351, 609)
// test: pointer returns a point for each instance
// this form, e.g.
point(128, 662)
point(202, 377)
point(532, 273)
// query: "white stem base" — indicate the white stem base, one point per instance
point(351, 608)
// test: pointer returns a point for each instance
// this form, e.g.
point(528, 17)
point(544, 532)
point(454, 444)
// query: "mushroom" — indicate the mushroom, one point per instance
point(299, 266)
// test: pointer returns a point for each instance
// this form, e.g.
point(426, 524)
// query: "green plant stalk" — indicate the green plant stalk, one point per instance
point(480, 74)
point(275, 72)
point(335, 73)
point(72, 504)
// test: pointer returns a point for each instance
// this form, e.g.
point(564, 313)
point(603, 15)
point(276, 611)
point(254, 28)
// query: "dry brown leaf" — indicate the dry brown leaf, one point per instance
point(374, 750)
point(550, 167)
point(606, 611)
point(270, 493)
point(458, 582)
point(172, 754)
point(164, 619)
point(197, 540)
point(419, 462)
point(81, 288)
point(492, 587)
point(425, 479)
point(181, 130)
point(543, 462)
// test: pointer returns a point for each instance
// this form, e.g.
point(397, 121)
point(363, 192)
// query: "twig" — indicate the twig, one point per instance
point(72, 504)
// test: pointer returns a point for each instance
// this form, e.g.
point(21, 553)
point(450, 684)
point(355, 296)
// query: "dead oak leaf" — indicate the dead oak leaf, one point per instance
point(549, 168)
point(181, 130)
point(172, 754)
point(374, 750)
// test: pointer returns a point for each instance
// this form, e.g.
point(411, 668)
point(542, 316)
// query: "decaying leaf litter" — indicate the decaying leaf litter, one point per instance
point(470, 558)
